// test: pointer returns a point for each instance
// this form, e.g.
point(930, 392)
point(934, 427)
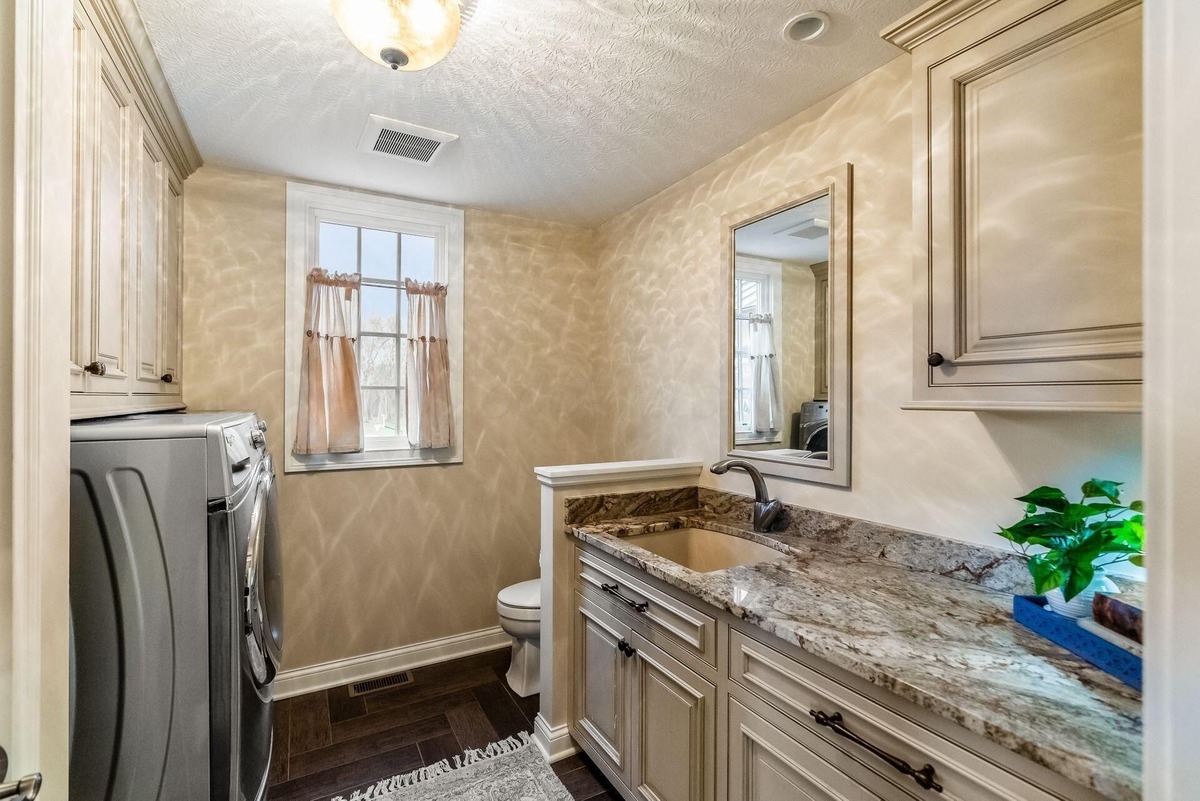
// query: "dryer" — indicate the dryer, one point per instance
point(176, 607)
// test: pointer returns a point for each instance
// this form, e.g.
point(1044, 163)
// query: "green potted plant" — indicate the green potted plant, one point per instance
point(1080, 540)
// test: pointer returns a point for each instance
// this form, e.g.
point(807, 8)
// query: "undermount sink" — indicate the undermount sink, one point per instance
point(704, 551)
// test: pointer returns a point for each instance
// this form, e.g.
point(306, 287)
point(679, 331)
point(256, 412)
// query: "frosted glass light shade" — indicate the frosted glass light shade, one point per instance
point(407, 35)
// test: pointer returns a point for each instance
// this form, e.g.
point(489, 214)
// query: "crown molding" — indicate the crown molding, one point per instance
point(931, 19)
point(125, 33)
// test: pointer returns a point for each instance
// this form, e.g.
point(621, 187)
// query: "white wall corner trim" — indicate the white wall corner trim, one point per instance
point(1171, 429)
point(554, 742)
point(309, 679)
point(569, 475)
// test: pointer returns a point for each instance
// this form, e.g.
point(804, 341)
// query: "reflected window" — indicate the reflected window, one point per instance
point(759, 300)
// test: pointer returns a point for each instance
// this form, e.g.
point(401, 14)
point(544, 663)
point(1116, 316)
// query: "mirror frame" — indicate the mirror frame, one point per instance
point(837, 183)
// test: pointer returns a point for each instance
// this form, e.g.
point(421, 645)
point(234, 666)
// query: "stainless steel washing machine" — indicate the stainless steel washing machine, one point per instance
point(176, 607)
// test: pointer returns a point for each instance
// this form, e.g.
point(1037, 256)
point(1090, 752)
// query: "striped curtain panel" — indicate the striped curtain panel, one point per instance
point(329, 417)
point(430, 416)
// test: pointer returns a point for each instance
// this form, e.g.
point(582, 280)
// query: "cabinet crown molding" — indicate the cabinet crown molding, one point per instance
point(931, 19)
point(126, 33)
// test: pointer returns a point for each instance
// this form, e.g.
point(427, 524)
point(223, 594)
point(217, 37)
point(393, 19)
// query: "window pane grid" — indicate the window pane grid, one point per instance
point(363, 249)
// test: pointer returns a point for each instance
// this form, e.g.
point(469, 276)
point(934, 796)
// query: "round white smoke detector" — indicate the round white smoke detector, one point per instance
point(806, 27)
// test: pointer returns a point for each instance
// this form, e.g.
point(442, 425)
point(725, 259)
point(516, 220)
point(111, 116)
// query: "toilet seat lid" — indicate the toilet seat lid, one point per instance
point(526, 595)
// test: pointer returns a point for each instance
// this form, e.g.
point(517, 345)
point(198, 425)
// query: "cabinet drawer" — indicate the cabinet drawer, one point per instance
point(681, 624)
point(797, 690)
point(770, 760)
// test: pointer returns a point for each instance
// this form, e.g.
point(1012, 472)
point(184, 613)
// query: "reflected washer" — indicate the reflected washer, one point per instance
point(176, 603)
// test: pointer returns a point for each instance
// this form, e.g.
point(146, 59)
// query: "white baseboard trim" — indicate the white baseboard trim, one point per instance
point(555, 742)
point(309, 679)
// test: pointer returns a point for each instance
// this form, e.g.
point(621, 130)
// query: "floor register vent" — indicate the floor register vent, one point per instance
point(381, 683)
point(402, 140)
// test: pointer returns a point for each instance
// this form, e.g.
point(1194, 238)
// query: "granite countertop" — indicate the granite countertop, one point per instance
point(949, 646)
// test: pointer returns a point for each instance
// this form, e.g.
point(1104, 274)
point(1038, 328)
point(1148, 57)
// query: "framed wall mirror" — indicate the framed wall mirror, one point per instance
point(788, 259)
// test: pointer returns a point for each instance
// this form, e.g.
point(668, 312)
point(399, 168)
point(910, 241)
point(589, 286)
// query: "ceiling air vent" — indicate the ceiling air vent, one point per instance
point(809, 229)
point(402, 140)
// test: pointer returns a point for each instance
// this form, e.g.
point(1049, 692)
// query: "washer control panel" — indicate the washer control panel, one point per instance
point(235, 449)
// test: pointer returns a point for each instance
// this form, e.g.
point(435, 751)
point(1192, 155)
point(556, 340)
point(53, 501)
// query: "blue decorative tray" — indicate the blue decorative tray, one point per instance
point(1030, 612)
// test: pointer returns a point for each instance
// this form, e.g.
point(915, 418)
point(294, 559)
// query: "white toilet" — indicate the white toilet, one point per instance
point(520, 608)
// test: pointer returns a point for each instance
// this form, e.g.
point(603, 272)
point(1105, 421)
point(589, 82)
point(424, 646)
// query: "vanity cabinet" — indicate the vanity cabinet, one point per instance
point(131, 155)
point(763, 721)
point(1027, 203)
point(651, 720)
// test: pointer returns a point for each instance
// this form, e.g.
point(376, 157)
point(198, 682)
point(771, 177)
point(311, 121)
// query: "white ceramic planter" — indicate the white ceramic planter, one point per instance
point(1081, 604)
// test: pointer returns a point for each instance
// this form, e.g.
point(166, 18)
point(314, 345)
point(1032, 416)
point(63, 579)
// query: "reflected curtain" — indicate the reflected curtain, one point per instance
point(430, 416)
point(329, 418)
point(768, 411)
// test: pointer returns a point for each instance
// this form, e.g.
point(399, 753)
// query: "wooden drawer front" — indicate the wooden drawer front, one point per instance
point(795, 689)
point(694, 630)
point(767, 764)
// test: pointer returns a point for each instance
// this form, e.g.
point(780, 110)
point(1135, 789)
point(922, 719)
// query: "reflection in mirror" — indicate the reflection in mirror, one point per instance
point(787, 256)
point(780, 336)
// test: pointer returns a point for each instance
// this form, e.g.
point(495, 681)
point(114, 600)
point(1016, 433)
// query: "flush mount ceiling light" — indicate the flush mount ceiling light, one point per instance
point(407, 35)
point(806, 26)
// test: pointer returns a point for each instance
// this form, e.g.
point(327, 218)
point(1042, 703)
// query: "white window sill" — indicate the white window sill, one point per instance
point(367, 460)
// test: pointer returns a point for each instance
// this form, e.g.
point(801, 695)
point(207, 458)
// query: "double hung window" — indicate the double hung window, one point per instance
point(385, 241)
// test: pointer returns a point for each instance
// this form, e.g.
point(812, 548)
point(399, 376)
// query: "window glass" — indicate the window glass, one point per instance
point(337, 248)
point(379, 250)
point(417, 257)
point(377, 361)
point(381, 413)
point(378, 309)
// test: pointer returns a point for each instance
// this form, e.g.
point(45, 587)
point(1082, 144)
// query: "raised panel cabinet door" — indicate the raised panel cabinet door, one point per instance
point(673, 748)
point(765, 764)
point(148, 286)
point(601, 694)
point(171, 300)
point(101, 248)
point(1032, 165)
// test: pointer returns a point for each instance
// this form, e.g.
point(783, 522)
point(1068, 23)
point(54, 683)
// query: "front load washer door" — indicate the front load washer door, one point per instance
point(263, 598)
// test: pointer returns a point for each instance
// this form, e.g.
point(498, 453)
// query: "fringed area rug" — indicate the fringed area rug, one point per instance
point(510, 770)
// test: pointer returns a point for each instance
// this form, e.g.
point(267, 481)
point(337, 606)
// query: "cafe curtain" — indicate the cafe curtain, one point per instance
point(430, 415)
point(767, 409)
point(329, 418)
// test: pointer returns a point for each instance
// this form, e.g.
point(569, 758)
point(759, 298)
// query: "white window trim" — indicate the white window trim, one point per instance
point(309, 205)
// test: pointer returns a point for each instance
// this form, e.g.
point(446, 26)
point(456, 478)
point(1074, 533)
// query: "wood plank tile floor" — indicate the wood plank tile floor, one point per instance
point(328, 744)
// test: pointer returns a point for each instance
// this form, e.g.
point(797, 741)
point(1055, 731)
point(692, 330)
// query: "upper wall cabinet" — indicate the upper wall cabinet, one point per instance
point(1027, 203)
point(132, 153)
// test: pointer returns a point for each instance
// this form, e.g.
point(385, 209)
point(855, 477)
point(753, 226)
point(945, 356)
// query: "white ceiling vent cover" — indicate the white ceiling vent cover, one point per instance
point(402, 140)
point(809, 229)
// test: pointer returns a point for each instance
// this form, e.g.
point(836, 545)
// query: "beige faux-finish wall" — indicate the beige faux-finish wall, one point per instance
point(377, 559)
point(948, 473)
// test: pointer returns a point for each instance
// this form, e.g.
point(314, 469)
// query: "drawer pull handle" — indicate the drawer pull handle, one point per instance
point(615, 591)
point(923, 777)
point(625, 648)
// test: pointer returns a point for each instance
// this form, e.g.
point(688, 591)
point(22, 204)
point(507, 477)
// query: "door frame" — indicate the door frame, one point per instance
point(35, 215)
point(37, 180)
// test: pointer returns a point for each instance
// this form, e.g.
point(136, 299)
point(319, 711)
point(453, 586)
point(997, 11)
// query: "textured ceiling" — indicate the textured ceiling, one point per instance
point(570, 110)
